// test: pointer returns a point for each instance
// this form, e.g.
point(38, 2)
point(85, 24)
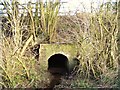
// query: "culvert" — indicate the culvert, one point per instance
point(58, 64)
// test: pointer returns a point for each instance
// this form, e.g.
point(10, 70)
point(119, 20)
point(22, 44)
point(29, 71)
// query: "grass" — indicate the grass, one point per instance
point(95, 36)
point(96, 39)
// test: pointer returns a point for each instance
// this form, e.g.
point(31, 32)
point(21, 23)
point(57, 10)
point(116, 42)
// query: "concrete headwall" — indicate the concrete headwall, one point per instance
point(47, 50)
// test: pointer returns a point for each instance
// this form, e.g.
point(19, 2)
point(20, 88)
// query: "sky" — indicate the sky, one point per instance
point(74, 5)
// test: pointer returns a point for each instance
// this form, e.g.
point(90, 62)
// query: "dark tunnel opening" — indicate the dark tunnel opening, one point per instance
point(58, 64)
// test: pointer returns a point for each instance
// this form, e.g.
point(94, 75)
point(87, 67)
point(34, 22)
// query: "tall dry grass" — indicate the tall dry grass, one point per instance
point(19, 70)
point(95, 35)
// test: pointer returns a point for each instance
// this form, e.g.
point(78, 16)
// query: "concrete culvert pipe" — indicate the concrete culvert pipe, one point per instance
point(58, 64)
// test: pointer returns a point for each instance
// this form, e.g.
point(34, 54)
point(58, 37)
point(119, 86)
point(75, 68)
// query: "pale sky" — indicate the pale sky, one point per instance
point(73, 5)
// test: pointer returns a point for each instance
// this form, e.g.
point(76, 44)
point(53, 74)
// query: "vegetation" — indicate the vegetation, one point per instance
point(94, 34)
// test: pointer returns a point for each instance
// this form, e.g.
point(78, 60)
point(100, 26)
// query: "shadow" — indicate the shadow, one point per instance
point(57, 66)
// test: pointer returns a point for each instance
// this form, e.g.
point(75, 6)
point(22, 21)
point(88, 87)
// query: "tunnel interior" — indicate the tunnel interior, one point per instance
point(58, 64)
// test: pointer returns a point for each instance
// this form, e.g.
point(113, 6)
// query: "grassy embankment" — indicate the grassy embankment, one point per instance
point(94, 34)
